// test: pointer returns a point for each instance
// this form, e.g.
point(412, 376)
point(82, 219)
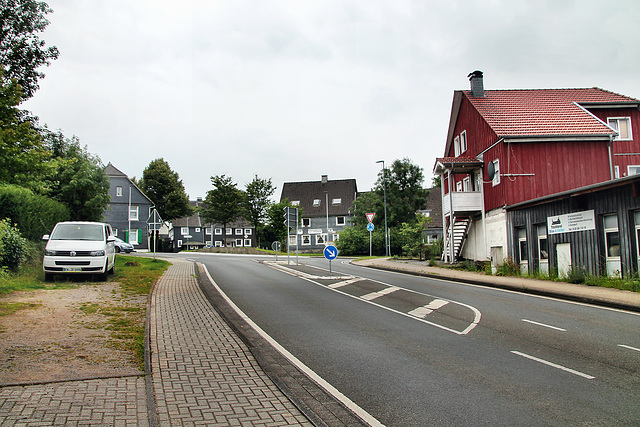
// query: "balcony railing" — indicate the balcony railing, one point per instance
point(463, 201)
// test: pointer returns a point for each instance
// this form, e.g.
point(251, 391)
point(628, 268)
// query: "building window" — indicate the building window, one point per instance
point(496, 176)
point(543, 244)
point(179, 243)
point(238, 242)
point(612, 235)
point(207, 232)
point(466, 184)
point(459, 186)
point(293, 241)
point(316, 203)
point(622, 125)
point(184, 230)
point(218, 243)
point(134, 236)
point(247, 243)
point(617, 173)
point(208, 243)
point(523, 249)
point(295, 203)
point(633, 170)
point(133, 213)
point(218, 231)
point(306, 240)
point(335, 202)
point(247, 232)
point(119, 191)
point(456, 146)
point(229, 231)
point(463, 141)
point(320, 239)
point(197, 229)
point(306, 222)
point(340, 220)
point(238, 231)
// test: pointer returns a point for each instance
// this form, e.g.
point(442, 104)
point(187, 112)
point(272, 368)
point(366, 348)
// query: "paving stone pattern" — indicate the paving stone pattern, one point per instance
point(98, 402)
point(202, 373)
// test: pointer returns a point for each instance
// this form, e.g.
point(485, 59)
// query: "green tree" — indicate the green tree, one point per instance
point(405, 195)
point(257, 194)
point(23, 155)
point(275, 229)
point(225, 203)
point(164, 187)
point(80, 181)
point(22, 52)
point(412, 237)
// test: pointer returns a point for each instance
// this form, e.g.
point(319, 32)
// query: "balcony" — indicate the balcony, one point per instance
point(463, 202)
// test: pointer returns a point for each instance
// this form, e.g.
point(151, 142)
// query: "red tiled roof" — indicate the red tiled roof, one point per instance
point(545, 112)
point(457, 160)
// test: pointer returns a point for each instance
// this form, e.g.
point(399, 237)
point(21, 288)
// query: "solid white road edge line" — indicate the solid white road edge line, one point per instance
point(364, 415)
point(546, 326)
point(628, 347)
point(546, 362)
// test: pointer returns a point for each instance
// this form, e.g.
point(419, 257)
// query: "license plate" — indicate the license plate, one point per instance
point(72, 269)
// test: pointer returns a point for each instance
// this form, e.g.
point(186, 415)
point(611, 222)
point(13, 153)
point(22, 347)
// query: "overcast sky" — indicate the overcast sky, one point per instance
point(292, 90)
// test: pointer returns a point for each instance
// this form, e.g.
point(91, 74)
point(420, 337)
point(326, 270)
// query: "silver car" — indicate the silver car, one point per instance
point(122, 246)
point(79, 248)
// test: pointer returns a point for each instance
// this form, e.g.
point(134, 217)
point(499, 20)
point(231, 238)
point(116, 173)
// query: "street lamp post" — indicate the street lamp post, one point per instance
point(387, 249)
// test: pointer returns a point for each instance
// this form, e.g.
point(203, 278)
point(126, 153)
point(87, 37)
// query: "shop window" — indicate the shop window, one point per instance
point(523, 250)
point(306, 240)
point(543, 243)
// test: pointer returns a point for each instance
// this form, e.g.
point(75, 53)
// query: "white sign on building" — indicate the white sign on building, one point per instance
point(576, 221)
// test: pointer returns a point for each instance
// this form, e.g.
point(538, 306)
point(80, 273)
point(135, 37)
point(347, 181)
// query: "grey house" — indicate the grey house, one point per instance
point(129, 209)
point(325, 207)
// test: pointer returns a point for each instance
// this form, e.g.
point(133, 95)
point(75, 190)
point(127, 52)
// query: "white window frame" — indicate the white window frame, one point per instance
point(456, 146)
point(133, 213)
point(184, 231)
point(134, 232)
point(466, 184)
point(248, 232)
point(341, 220)
point(463, 142)
point(295, 203)
point(247, 243)
point(207, 231)
point(635, 168)
point(238, 231)
point(238, 243)
point(611, 230)
point(179, 243)
point(229, 231)
point(496, 178)
point(218, 231)
point(208, 243)
point(542, 237)
point(293, 240)
point(614, 123)
point(321, 239)
point(317, 203)
point(306, 222)
point(617, 171)
point(306, 240)
point(336, 202)
point(197, 229)
point(459, 187)
point(119, 191)
point(218, 244)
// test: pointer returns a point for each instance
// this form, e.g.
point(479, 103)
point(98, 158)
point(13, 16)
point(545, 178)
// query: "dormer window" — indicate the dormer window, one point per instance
point(335, 202)
point(622, 125)
point(316, 203)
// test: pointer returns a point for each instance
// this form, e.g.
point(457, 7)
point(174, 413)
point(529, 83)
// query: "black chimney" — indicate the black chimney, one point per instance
point(477, 85)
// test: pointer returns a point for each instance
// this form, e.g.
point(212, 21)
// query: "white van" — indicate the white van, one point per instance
point(79, 248)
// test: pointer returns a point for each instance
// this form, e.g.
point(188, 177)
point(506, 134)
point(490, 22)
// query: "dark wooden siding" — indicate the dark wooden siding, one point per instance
point(587, 247)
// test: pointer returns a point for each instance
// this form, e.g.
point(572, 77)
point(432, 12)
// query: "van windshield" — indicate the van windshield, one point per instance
point(78, 232)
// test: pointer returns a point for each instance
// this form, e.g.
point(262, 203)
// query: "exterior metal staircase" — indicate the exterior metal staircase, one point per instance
point(461, 227)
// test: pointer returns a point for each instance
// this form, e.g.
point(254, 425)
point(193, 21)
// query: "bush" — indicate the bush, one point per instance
point(33, 214)
point(13, 247)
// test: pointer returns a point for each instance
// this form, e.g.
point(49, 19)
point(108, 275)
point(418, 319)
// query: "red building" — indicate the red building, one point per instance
point(506, 147)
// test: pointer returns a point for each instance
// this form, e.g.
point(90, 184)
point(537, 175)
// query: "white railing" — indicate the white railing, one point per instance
point(463, 201)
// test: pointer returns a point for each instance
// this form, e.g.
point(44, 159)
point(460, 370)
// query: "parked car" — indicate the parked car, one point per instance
point(122, 246)
point(79, 248)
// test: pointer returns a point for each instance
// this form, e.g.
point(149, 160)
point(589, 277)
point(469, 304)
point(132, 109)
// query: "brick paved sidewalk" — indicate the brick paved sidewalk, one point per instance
point(202, 373)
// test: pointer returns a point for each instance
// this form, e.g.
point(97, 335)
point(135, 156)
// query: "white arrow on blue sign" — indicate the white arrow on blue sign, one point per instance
point(370, 226)
point(330, 252)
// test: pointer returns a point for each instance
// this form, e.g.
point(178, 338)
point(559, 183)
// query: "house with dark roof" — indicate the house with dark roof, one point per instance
point(508, 147)
point(325, 210)
point(129, 209)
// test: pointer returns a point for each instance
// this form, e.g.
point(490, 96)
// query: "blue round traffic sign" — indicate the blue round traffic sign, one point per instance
point(370, 226)
point(330, 252)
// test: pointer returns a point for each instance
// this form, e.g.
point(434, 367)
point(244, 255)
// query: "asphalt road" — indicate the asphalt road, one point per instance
point(417, 351)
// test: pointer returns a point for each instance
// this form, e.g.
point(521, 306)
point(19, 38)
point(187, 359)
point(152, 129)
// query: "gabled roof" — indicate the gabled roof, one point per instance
point(306, 192)
point(112, 171)
point(542, 113)
point(546, 112)
point(458, 164)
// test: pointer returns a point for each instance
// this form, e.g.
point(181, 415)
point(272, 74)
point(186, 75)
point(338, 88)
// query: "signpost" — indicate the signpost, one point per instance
point(330, 252)
point(370, 228)
point(291, 221)
point(276, 247)
point(154, 223)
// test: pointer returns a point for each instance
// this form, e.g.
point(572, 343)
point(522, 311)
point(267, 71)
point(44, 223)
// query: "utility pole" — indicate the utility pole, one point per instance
point(386, 230)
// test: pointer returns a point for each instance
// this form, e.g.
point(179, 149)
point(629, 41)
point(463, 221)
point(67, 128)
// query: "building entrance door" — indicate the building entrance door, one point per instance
point(563, 254)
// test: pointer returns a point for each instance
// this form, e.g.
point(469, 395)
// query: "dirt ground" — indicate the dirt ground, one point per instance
point(57, 340)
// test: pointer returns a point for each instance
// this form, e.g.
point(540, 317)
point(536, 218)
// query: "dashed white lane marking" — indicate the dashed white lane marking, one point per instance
point(554, 365)
point(546, 326)
point(628, 347)
point(385, 291)
point(345, 283)
point(423, 311)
